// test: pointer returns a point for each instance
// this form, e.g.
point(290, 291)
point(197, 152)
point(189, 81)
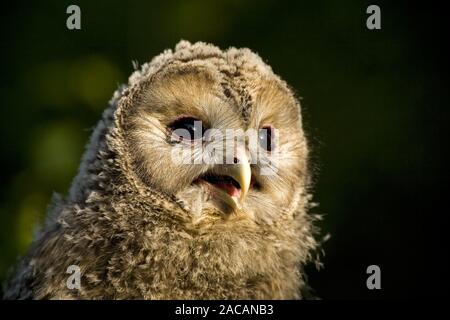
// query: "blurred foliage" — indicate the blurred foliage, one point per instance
point(367, 99)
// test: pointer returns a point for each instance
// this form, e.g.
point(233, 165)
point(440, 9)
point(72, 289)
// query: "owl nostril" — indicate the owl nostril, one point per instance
point(236, 161)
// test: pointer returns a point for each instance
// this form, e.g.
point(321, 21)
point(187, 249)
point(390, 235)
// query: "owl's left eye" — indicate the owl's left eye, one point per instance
point(187, 128)
point(266, 137)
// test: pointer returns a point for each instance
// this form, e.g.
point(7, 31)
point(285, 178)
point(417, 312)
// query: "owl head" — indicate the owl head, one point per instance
point(216, 130)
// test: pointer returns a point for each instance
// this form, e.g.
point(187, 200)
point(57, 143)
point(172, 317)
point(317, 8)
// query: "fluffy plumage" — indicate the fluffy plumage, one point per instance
point(138, 225)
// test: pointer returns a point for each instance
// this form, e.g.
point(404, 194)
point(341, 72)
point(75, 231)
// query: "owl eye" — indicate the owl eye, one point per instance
point(265, 138)
point(187, 128)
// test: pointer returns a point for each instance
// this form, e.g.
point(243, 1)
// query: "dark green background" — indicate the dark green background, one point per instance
point(371, 103)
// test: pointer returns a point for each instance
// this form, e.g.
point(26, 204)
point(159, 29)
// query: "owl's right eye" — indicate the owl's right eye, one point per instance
point(187, 129)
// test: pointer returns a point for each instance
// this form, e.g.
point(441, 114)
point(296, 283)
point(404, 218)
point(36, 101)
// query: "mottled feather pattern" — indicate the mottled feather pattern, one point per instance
point(138, 227)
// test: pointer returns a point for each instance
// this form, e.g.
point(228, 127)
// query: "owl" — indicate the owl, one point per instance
point(194, 185)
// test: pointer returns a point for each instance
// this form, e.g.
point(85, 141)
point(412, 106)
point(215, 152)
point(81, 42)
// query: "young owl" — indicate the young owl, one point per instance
point(141, 224)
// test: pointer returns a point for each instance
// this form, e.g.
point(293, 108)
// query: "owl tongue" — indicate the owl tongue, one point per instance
point(229, 188)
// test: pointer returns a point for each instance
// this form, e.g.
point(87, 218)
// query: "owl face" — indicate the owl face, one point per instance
point(223, 137)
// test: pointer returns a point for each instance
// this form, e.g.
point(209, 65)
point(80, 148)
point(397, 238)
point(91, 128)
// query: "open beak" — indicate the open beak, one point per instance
point(230, 182)
point(241, 172)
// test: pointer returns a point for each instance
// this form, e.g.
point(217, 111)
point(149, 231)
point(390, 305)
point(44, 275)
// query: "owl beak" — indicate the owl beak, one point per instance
point(242, 173)
point(231, 192)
